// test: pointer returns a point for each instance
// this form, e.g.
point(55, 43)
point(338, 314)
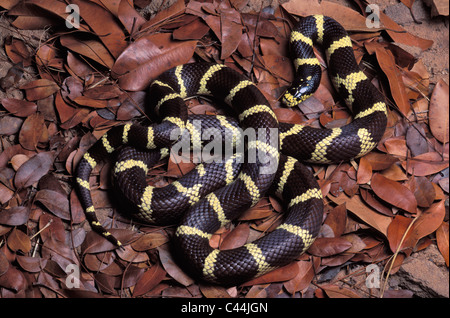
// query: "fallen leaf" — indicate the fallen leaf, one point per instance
point(302, 280)
point(364, 173)
point(327, 246)
point(32, 170)
point(364, 212)
point(394, 193)
point(334, 291)
point(55, 202)
point(150, 279)
point(19, 241)
point(14, 216)
point(90, 48)
point(439, 112)
point(172, 268)
point(442, 239)
point(400, 35)
point(214, 291)
point(150, 240)
point(281, 274)
point(425, 164)
point(31, 131)
point(39, 89)
point(19, 107)
point(103, 23)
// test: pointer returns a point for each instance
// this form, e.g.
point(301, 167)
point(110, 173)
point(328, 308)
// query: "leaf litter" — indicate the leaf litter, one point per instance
point(379, 209)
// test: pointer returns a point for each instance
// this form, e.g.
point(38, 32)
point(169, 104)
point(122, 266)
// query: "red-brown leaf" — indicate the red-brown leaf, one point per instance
point(439, 112)
point(39, 89)
point(150, 279)
point(32, 170)
point(19, 107)
point(14, 216)
point(32, 131)
point(394, 193)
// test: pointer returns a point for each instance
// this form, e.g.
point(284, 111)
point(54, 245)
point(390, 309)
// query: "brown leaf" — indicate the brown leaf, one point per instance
point(13, 279)
point(13, 76)
point(236, 238)
point(442, 239)
point(387, 63)
point(150, 240)
point(400, 35)
point(364, 173)
point(139, 66)
point(127, 253)
point(214, 291)
point(327, 246)
point(19, 107)
point(14, 216)
point(172, 268)
point(416, 139)
point(5, 194)
point(375, 203)
point(17, 51)
point(396, 146)
point(281, 274)
point(397, 232)
point(394, 193)
point(364, 212)
point(176, 9)
point(39, 89)
point(19, 241)
point(31, 264)
point(380, 161)
point(194, 30)
point(423, 191)
point(32, 170)
point(334, 291)
point(439, 112)
point(349, 18)
point(336, 220)
point(426, 223)
point(150, 279)
point(31, 131)
point(429, 220)
point(10, 125)
point(302, 279)
point(104, 24)
point(90, 48)
point(129, 17)
point(425, 164)
point(51, 227)
point(4, 263)
point(231, 31)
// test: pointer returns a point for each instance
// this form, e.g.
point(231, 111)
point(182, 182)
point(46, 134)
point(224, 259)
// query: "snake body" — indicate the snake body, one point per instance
point(215, 193)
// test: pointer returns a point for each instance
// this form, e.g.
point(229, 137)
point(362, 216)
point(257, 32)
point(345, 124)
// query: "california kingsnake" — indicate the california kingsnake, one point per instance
point(232, 190)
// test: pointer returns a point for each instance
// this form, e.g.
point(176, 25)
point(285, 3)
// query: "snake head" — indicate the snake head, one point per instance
point(300, 90)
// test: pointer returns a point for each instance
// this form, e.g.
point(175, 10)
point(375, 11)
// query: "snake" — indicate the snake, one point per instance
point(215, 193)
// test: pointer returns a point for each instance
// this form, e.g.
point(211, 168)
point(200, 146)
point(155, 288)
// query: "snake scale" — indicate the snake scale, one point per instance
point(215, 193)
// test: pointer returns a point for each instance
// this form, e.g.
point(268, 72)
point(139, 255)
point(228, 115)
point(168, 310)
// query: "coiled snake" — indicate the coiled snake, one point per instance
point(215, 193)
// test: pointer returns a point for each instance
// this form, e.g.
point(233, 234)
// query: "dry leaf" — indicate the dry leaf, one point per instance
point(394, 193)
point(438, 113)
point(442, 239)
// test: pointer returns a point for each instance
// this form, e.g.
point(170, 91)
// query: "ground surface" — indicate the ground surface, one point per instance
point(47, 230)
